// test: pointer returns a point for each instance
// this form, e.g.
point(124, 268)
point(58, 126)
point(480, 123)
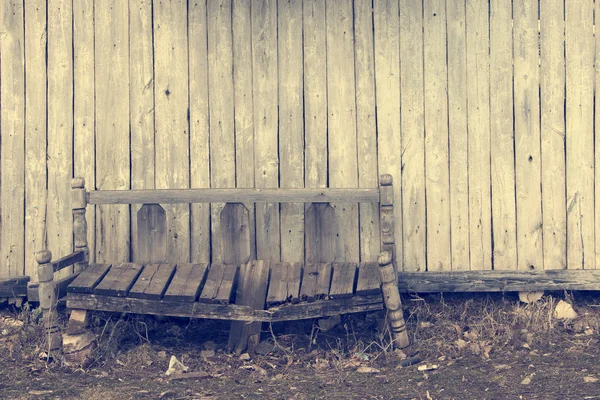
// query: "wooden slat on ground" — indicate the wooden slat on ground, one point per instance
point(221, 104)
point(342, 282)
point(366, 127)
point(60, 128)
point(264, 73)
point(369, 280)
point(119, 279)
point(291, 125)
point(321, 230)
point(478, 104)
point(316, 279)
point(243, 107)
point(199, 130)
point(153, 281)
point(35, 135)
point(251, 291)
point(151, 234)
point(315, 94)
point(457, 133)
point(501, 129)
point(552, 93)
point(439, 252)
point(284, 283)
point(141, 103)
point(387, 92)
point(527, 135)
point(89, 279)
point(580, 134)
point(219, 284)
point(112, 125)
point(412, 181)
point(187, 282)
point(84, 147)
point(341, 122)
point(171, 118)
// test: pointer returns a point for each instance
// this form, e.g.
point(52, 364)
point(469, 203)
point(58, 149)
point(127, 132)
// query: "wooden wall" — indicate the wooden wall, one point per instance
point(487, 122)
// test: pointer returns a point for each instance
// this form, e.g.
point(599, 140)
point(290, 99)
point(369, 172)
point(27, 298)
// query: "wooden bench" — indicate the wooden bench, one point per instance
point(234, 287)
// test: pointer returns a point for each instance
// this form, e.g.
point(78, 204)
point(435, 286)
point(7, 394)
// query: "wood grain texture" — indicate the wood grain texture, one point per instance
point(35, 134)
point(439, 252)
point(233, 237)
point(366, 129)
point(412, 181)
point(151, 239)
point(199, 129)
point(141, 104)
point(219, 284)
point(84, 118)
point(552, 92)
point(478, 120)
point(119, 280)
point(291, 125)
point(171, 123)
point(321, 229)
point(221, 107)
point(387, 92)
point(315, 94)
point(266, 160)
point(579, 43)
point(187, 282)
point(368, 281)
point(284, 283)
point(341, 122)
point(316, 280)
point(502, 140)
point(153, 281)
point(87, 281)
point(243, 106)
point(527, 135)
point(457, 133)
point(112, 126)
point(342, 281)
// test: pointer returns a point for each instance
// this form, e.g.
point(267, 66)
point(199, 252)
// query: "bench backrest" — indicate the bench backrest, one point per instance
point(234, 236)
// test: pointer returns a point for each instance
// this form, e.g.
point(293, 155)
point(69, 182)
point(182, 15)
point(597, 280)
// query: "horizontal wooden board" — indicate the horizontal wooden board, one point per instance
point(187, 282)
point(86, 282)
point(177, 196)
point(219, 284)
point(119, 280)
point(152, 282)
point(68, 260)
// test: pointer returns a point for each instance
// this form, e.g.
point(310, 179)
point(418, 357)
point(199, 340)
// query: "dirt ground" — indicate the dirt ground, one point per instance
point(469, 347)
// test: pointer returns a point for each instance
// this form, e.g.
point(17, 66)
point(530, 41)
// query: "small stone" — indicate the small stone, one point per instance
point(526, 381)
point(530, 297)
point(245, 357)
point(326, 324)
point(265, 347)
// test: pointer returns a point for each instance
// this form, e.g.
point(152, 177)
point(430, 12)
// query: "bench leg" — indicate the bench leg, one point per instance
point(47, 295)
point(78, 342)
point(391, 298)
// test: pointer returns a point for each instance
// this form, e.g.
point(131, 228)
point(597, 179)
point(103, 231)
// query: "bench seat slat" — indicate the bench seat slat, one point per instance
point(119, 280)
point(315, 281)
point(152, 282)
point(369, 280)
point(219, 284)
point(87, 281)
point(187, 282)
point(342, 282)
point(285, 283)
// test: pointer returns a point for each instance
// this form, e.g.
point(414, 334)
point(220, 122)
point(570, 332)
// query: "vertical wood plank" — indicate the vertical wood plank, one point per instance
point(60, 127)
point(501, 129)
point(84, 159)
point(580, 134)
point(141, 103)
point(291, 125)
point(315, 94)
point(35, 134)
point(152, 234)
point(366, 129)
point(264, 73)
point(199, 130)
point(527, 135)
point(439, 252)
point(12, 145)
point(552, 91)
point(171, 116)
point(387, 92)
point(457, 132)
point(341, 111)
point(244, 118)
point(112, 126)
point(412, 241)
point(221, 103)
point(478, 120)
point(233, 236)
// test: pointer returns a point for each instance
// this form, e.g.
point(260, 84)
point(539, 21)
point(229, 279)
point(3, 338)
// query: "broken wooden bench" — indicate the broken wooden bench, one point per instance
point(234, 287)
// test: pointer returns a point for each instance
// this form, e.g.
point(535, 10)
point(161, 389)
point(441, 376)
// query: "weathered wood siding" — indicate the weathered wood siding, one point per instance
point(484, 113)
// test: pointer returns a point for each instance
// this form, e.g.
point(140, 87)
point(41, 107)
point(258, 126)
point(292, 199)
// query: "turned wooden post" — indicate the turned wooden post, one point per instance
point(386, 216)
point(391, 298)
point(79, 203)
point(47, 294)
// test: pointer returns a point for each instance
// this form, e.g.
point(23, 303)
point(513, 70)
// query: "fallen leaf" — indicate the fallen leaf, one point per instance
point(502, 367)
point(590, 379)
point(40, 392)
point(175, 366)
point(367, 370)
point(526, 381)
point(564, 310)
